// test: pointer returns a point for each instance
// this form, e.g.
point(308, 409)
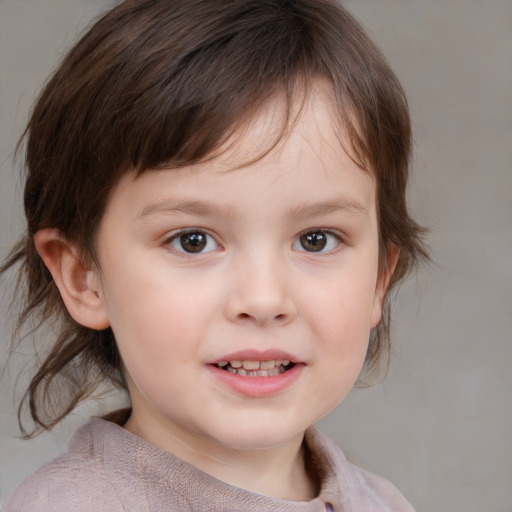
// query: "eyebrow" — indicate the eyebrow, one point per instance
point(205, 209)
point(189, 207)
point(321, 208)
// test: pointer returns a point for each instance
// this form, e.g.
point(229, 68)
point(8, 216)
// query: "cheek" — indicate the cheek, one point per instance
point(343, 317)
point(150, 319)
point(346, 304)
point(157, 344)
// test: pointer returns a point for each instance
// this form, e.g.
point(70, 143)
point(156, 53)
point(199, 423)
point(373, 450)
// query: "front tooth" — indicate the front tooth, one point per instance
point(236, 364)
point(267, 365)
point(251, 365)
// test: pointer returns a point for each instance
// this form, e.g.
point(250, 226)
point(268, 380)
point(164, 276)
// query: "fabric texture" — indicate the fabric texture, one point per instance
point(108, 469)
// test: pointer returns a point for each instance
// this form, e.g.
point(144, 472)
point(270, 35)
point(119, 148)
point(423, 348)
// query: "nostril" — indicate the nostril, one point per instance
point(261, 312)
point(281, 316)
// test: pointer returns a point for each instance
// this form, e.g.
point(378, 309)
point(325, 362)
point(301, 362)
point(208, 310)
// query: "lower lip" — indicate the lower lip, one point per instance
point(257, 387)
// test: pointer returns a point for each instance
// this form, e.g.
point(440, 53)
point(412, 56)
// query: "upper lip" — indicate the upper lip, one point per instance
point(257, 355)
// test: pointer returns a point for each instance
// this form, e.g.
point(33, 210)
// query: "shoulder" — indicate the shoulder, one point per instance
point(66, 483)
point(106, 469)
point(382, 493)
point(74, 481)
point(357, 488)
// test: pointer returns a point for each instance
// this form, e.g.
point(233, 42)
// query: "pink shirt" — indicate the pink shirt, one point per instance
point(107, 469)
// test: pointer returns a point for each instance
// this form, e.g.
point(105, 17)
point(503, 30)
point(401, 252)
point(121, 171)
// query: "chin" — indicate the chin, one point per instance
point(260, 436)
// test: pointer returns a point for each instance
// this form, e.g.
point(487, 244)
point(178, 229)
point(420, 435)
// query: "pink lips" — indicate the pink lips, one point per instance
point(257, 387)
point(257, 355)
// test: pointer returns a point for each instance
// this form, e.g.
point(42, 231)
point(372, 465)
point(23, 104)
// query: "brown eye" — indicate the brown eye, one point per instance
point(317, 241)
point(313, 242)
point(193, 242)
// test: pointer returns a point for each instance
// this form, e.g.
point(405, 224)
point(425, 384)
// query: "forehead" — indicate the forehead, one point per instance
point(308, 163)
point(282, 126)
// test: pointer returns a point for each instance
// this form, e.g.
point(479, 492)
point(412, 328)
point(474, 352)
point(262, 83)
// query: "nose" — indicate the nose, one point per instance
point(261, 294)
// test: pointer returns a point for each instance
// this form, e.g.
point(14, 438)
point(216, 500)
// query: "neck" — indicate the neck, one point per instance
point(277, 472)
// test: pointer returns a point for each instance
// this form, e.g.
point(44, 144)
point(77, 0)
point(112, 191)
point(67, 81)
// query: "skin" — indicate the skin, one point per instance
point(255, 287)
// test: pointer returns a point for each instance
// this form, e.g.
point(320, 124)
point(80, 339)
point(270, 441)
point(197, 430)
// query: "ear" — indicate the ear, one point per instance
point(383, 281)
point(79, 285)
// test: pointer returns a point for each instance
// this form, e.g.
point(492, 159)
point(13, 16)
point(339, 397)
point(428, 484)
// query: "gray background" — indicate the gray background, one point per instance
point(440, 425)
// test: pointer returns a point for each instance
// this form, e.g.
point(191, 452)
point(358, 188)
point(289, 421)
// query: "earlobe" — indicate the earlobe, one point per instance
point(79, 285)
point(383, 284)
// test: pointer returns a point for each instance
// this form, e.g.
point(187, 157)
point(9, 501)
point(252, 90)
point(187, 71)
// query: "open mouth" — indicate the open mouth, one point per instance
point(270, 368)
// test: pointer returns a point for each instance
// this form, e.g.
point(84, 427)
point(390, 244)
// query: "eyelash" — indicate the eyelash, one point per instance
point(175, 241)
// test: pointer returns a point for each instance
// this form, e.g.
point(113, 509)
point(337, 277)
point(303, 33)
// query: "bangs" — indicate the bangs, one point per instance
point(157, 84)
point(192, 92)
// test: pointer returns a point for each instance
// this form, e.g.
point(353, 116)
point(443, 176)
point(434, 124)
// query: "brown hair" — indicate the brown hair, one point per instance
point(164, 83)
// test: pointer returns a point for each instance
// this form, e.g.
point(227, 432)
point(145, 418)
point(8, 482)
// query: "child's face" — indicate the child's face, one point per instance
point(209, 265)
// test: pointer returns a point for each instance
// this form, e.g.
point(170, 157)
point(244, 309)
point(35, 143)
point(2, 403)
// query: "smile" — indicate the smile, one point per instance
point(248, 368)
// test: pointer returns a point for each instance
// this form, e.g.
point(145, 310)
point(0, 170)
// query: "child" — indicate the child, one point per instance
point(217, 192)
